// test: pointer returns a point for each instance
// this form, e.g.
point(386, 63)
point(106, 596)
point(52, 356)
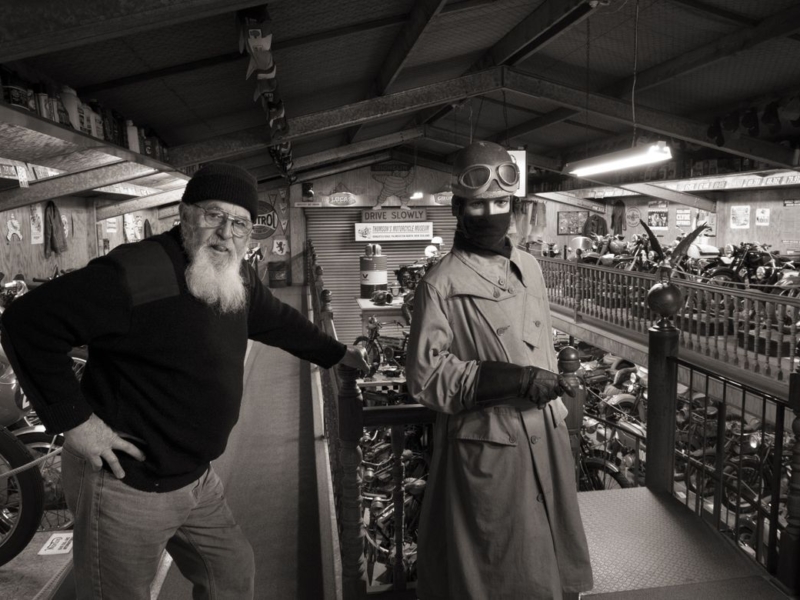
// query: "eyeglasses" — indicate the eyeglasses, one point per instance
point(215, 217)
point(479, 177)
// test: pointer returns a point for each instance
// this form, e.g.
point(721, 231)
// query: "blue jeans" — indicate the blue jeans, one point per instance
point(120, 533)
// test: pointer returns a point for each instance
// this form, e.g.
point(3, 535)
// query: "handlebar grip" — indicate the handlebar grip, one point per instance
point(39, 280)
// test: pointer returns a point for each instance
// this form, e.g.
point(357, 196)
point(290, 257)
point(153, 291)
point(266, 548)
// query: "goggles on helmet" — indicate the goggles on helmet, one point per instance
point(477, 179)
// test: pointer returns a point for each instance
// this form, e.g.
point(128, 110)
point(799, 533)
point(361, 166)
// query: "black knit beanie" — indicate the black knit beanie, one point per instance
point(222, 181)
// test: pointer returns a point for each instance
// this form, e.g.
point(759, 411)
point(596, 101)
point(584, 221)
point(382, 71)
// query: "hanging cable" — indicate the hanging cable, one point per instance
point(470, 122)
point(478, 119)
point(505, 117)
point(588, 70)
point(635, 69)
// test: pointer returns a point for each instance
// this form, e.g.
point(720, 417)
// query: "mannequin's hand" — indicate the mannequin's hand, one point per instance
point(356, 358)
point(95, 441)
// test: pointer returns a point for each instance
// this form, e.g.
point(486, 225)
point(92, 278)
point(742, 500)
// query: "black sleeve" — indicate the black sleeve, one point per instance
point(40, 328)
point(274, 323)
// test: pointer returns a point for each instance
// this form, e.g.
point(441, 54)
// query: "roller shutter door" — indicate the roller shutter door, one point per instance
point(332, 232)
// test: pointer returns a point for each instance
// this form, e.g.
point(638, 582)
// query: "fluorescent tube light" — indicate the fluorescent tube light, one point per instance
point(624, 159)
point(416, 196)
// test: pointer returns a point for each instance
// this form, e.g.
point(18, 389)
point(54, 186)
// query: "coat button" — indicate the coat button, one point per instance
point(537, 323)
point(512, 439)
point(511, 290)
point(502, 330)
point(534, 439)
point(496, 293)
point(501, 281)
point(540, 498)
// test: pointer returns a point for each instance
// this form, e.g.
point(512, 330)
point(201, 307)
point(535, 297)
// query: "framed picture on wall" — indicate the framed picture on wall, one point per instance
point(570, 222)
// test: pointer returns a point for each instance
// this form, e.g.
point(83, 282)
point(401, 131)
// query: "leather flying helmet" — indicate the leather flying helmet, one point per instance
point(484, 170)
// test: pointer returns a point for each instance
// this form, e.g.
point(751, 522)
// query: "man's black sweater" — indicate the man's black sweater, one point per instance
point(165, 369)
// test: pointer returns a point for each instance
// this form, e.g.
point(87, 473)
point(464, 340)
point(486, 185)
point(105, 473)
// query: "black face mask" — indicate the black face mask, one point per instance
point(487, 231)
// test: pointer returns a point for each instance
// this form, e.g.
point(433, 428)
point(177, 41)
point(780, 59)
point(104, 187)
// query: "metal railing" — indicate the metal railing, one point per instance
point(733, 461)
point(756, 331)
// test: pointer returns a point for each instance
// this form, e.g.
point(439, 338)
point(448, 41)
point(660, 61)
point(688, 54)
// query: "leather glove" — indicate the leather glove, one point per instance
point(541, 386)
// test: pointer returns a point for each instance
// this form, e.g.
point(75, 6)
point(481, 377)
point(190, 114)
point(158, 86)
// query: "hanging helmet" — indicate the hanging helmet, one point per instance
point(484, 170)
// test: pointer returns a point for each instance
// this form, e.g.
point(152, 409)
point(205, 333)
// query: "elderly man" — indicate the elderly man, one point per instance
point(166, 321)
point(500, 516)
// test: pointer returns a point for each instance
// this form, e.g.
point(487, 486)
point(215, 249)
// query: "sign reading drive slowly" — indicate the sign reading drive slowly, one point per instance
point(388, 215)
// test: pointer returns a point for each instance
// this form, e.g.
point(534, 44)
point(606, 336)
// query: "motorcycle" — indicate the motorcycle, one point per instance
point(32, 500)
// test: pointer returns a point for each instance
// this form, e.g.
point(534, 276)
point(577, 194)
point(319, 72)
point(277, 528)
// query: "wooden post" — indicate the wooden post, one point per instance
point(664, 299)
point(351, 428)
point(789, 557)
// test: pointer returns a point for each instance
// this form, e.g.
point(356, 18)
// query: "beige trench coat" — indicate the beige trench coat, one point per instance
point(500, 517)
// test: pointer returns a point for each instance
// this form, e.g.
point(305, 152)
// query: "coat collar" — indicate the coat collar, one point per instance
point(492, 267)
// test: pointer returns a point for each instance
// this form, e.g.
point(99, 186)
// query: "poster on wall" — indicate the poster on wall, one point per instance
point(111, 225)
point(710, 219)
point(632, 217)
point(13, 230)
point(762, 217)
point(740, 217)
point(683, 217)
point(571, 222)
point(280, 246)
point(37, 224)
point(657, 214)
point(385, 232)
point(266, 222)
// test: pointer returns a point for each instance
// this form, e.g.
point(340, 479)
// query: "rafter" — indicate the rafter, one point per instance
point(277, 46)
point(74, 183)
point(550, 20)
point(422, 15)
point(35, 28)
point(145, 202)
point(649, 119)
point(257, 138)
point(364, 161)
point(784, 23)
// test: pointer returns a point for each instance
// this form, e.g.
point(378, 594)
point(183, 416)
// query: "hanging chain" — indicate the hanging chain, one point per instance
point(635, 68)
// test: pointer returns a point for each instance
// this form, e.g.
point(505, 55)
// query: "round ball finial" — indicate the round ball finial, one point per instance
point(569, 360)
point(665, 299)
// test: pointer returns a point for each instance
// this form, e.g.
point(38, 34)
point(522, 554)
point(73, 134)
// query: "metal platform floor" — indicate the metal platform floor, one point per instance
point(649, 547)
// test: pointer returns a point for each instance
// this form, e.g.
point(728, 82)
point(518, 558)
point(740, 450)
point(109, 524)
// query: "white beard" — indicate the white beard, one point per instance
point(215, 279)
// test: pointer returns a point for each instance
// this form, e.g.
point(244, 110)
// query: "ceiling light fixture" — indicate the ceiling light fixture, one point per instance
point(636, 156)
point(624, 159)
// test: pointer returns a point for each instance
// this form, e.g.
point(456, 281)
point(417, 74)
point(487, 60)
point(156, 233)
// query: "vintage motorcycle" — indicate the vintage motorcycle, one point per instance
point(31, 500)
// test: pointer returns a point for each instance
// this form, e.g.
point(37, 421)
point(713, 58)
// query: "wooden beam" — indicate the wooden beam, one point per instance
point(333, 170)
point(573, 201)
point(754, 34)
point(550, 20)
point(462, 5)
point(426, 161)
point(358, 149)
point(649, 119)
point(258, 138)
point(35, 28)
point(129, 206)
point(781, 24)
point(556, 116)
point(277, 46)
point(72, 183)
point(422, 15)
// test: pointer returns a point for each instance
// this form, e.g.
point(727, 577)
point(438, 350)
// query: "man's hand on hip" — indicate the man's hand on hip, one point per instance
point(356, 358)
point(96, 442)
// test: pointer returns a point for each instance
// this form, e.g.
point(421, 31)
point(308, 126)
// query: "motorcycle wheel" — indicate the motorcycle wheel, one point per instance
point(56, 514)
point(696, 476)
point(752, 486)
point(596, 475)
point(21, 498)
